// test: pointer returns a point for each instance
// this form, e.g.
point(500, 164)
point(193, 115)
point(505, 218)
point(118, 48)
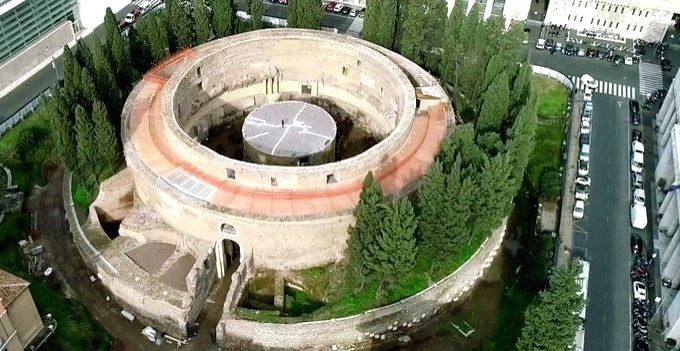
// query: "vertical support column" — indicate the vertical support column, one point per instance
point(488, 8)
point(219, 258)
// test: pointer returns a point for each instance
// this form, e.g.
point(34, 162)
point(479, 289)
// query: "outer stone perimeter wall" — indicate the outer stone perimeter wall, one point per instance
point(359, 331)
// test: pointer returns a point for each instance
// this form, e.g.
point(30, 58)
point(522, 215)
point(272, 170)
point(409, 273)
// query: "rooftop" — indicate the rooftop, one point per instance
point(11, 287)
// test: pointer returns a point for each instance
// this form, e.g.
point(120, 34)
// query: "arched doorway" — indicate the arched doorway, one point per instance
point(227, 255)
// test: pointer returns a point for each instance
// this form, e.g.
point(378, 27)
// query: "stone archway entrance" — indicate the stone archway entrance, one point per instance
point(227, 254)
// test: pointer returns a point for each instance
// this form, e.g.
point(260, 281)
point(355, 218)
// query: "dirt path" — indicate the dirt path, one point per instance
point(72, 271)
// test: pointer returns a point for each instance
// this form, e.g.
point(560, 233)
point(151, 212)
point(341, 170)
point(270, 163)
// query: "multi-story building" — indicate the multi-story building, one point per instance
point(667, 176)
point(615, 20)
point(20, 322)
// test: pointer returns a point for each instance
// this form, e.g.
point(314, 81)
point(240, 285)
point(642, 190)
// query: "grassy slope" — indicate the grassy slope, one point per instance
point(76, 328)
point(553, 99)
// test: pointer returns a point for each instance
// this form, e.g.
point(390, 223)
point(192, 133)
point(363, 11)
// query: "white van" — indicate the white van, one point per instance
point(636, 162)
point(540, 44)
point(638, 216)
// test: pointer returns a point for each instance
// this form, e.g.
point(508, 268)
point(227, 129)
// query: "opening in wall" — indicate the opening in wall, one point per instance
point(226, 228)
point(344, 71)
point(306, 89)
point(330, 179)
point(274, 182)
point(198, 71)
point(200, 85)
point(304, 161)
point(358, 63)
point(231, 173)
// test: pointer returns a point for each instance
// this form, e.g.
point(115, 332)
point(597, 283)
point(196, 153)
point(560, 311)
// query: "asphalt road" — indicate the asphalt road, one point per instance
point(341, 22)
point(606, 229)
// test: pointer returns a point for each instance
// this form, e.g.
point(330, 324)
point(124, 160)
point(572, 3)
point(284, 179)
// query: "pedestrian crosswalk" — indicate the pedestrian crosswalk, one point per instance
point(650, 78)
point(608, 88)
point(356, 27)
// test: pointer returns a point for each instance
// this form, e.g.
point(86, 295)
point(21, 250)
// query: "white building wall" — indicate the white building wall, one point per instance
point(631, 19)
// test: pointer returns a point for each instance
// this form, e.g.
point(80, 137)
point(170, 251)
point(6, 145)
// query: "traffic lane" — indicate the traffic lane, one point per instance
point(607, 224)
point(601, 70)
point(44, 78)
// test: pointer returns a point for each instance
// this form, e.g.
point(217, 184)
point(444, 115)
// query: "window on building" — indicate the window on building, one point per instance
point(592, 20)
point(641, 28)
point(330, 179)
point(579, 4)
point(596, 6)
point(634, 28)
point(622, 8)
point(611, 24)
point(198, 71)
point(569, 18)
point(581, 19)
point(598, 22)
point(609, 9)
point(646, 13)
point(226, 228)
point(344, 70)
point(306, 89)
point(617, 25)
point(231, 173)
point(199, 85)
point(274, 182)
point(628, 27)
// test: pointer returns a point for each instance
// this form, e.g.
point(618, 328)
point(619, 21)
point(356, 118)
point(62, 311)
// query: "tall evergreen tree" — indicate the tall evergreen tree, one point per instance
point(493, 194)
point(380, 22)
point(83, 54)
point(118, 53)
point(139, 49)
point(521, 86)
point(435, 24)
point(62, 130)
point(154, 31)
point(393, 253)
point(521, 141)
point(363, 233)
point(496, 102)
point(201, 21)
point(304, 14)
point(106, 141)
point(495, 66)
point(256, 7)
point(89, 89)
point(412, 43)
point(71, 76)
point(552, 320)
point(224, 17)
point(453, 49)
point(86, 143)
point(180, 26)
point(106, 84)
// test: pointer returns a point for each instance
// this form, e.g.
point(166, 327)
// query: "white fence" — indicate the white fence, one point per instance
point(21, 114)
point(553, 74)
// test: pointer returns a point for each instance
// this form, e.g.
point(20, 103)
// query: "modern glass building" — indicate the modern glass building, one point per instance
point(24, 21)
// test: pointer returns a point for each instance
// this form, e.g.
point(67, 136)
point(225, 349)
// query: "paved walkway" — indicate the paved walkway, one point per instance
point(566, 219)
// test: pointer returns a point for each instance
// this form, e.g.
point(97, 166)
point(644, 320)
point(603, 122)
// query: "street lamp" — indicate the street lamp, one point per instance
point(54, 65)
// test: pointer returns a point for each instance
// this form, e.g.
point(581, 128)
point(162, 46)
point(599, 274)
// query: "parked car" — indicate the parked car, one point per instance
point(588, 95)
point(346, 10)
point(579, 209)
point(600, 54)
point(353, 13)
point(584, 139)
point(581, 52)
point(583, 180)
point(637, 245)
point(635, 119)
point(639, 291)
point(637, 146)
point(581, 192)
point(549, 43)
point(569, 49)
point(638, 216)
point(634, 106)
point(636, 181)
point(639, 196)
point(330, 6)
point(362, 13)
point(666, 64)
point(636, 162)
point(558, 47)
point(618, 59)
point(628, 60)
point(585, 153)
point(637, 135)
point(589, 81)
point(590, 53)
point(540, 44)
point(338, 8)
point(583, 167)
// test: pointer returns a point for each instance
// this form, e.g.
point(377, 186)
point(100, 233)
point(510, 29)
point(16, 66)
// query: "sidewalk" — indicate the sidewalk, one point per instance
point(565, 250)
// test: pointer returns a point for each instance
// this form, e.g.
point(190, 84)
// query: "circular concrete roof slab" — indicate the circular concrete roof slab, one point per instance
point(289, 129)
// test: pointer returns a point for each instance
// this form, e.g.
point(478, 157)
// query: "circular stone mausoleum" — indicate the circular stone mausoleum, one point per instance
point(256, 146)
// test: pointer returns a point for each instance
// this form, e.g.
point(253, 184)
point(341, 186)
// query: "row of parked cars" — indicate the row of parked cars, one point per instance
point(342, 9)
point(638, 211)
point(571, 50)
point(582, 186)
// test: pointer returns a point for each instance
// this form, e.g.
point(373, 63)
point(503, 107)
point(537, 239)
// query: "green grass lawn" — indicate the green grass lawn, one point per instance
point(546, 156)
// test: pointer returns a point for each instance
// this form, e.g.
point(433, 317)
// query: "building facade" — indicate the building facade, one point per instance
point(667, 173)
point(615, 20)
point(20, 322)
point(22, 22)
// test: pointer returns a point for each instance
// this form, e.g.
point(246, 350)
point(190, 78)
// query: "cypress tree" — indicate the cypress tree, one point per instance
point(453, 52)
point(105, 137)
point(89, 89)
point(179, 25)
point(521, 86)
point(493, 194)
point(495, 105)
point(83, 54)
point(201, 22)
point(224, 17)
point(552, 320)
point(155, 33)
point(255, 9)
point(71, 76)
point(118, 52)
point(139, 48)
point(495, 66)
point(412, 43)
point(380, 22)
point(435, 23)
point(521, 141)
point(393, 253)
point(363, 233)
point(86, 143)
point(304, 14)
point(106, 83)
point(62, 130)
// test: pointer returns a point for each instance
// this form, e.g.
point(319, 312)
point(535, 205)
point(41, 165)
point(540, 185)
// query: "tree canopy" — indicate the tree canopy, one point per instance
point(304, 14)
